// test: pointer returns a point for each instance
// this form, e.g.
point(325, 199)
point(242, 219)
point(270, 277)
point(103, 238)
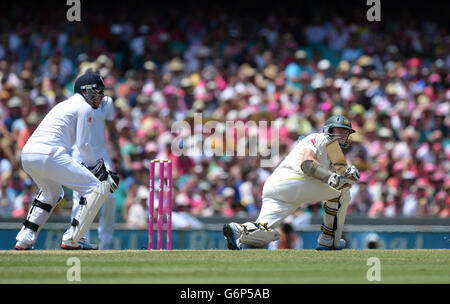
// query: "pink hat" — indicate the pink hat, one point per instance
point(437, 146)
point(429, 167)
point(169, 90)
point(438, 176)
point(136, 166)
point(441, 195)
point(273, 106)
point(364, 177)
point(422, 182)
point(398, 166)
point(435, 77)
point(151, 147)
point(110, 81)
point(447, 183)
point(325, 106)
point(429, 91)
point(393, 182)
point(221, 83)
point(140, 133)
point(413, 62)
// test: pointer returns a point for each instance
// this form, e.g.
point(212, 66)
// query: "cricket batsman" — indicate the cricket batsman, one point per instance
point(46, 158)
point(306, 175)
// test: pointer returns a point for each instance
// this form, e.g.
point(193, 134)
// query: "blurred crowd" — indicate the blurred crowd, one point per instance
point(391, 79)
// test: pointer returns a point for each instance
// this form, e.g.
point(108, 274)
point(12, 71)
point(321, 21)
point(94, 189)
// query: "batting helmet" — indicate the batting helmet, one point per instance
point(90, 85)
point(337, 121)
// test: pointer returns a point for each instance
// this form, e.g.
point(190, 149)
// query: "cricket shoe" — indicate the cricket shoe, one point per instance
point(342, 244)
point(232, 233)
point(22, 246)
point(81, 245)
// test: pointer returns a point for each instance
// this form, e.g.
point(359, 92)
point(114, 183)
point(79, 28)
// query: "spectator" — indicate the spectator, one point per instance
point(15, 115)
point(182, 216)
point(362, 199)
point(387, 205)
point(296, 70)
point(302, 217)
point(138, 211)
point(289, 238)
point(394, 88)
point(410, 200)
point(7, 197)
point(6, 167)
point(139, 180)
point(442, 205)
point(31, 123)
point(23, 201)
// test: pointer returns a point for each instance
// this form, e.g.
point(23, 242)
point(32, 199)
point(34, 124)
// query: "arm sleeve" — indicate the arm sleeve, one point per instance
point(84, 124)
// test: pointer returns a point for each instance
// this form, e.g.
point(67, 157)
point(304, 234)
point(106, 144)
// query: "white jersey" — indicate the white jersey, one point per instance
point(98, 139)
point(68, 123)
point(317, 142)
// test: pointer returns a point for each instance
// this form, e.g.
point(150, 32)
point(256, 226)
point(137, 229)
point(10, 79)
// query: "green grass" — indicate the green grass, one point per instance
point(224, 266)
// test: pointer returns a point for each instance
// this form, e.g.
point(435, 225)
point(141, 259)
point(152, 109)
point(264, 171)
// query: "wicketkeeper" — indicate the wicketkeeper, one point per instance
point(103, 119)
point(304, 176)
point(46, 158)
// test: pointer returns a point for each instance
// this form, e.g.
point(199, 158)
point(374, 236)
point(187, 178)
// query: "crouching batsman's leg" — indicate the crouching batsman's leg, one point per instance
point(333, 223)
point(276, 206)
point(282, 198)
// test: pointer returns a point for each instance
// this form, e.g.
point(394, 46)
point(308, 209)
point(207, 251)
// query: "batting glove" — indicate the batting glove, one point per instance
point(352, 173)
point(339, 182)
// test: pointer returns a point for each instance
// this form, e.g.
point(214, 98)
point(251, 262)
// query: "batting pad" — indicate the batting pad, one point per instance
point(259, 237)
point(329, 222)
point(340, 219)
point(93, 204)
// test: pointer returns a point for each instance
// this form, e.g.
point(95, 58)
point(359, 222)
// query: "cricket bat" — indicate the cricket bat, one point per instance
point(336, 156)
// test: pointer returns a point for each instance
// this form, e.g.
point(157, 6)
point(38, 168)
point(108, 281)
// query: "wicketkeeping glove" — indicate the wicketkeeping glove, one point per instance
point(99, 170)
point(103, 174)
point(113, 179)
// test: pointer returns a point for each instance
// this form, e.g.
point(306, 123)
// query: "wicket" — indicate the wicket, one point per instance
point(160, 217)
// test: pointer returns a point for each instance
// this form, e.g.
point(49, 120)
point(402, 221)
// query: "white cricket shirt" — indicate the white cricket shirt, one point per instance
point(317, 142)
point(68, 123)
point(100, 116)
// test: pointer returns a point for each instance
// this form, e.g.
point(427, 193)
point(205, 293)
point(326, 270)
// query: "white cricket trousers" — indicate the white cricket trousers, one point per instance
point(51, 167)
point(107, 214)
point(285, 191)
